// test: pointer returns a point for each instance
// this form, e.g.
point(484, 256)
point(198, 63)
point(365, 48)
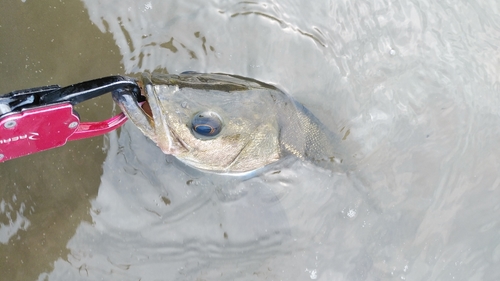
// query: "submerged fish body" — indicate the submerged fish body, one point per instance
point(225, 123)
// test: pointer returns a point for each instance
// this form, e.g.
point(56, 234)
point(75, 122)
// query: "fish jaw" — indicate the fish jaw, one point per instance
point(131, 108)
point(151, 125)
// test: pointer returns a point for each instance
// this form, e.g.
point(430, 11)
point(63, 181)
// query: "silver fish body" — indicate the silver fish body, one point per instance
point(226, 123)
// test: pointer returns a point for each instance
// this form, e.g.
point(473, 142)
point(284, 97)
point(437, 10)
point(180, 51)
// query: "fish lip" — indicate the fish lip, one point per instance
point(131, 107)
point(119, 96)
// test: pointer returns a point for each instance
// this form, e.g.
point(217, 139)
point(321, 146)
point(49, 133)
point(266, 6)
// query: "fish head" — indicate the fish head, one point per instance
point(214, 122)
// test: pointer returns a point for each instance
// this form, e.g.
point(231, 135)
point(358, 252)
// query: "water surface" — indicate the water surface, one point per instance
point(415, 83)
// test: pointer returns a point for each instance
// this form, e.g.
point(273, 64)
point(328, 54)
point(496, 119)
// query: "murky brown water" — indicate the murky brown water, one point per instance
point(47, 194)
point(416, 83)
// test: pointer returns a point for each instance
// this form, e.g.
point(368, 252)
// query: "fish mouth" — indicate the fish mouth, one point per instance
point(136, 108)
point(144, 111)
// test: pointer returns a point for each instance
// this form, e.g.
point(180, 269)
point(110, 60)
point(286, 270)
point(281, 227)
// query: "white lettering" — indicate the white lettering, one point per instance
point(29, 136)
point(34, 136)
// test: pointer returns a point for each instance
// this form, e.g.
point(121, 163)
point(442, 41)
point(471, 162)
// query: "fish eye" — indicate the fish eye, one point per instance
point(206, 124)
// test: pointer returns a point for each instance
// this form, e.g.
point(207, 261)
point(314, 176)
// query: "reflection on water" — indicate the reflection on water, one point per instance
point(416, 85)
point(150, 219)
point(16, 219)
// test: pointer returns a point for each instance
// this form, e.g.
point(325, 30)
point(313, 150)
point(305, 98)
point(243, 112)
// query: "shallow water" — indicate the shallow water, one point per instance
point(415, 83)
